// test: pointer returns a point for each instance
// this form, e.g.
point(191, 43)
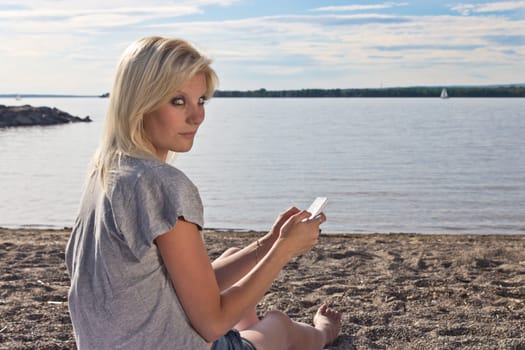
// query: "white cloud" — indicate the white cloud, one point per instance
point(284, 51)
point(339, 46)
point(135, 14)
point(347, 8)
point(467, 9)
point(96, 13)
point(312, 37)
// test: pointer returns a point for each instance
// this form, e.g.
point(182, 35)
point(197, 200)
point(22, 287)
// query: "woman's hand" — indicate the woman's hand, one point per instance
point(300, 234)
point(280, 221)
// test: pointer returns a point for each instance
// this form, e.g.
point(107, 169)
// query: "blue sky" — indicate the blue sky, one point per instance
point(64, 46)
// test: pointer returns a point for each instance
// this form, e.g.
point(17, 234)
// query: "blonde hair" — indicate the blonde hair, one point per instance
point(149, 70)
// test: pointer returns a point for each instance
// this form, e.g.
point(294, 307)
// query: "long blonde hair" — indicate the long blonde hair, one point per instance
point(149, 70)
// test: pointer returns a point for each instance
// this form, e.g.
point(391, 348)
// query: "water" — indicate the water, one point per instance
point(386, 165)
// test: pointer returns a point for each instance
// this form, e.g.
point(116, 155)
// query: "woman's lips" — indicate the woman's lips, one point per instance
point(188, 135)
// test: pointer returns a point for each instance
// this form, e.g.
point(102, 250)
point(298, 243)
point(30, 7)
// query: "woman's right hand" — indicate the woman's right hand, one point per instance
point(299, 234)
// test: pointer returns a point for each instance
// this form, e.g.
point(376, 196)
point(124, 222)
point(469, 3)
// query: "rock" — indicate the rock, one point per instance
point(27, 116)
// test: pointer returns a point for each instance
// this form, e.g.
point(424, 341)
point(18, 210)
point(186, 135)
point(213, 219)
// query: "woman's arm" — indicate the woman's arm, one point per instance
point(212, 312)
point(232, 268)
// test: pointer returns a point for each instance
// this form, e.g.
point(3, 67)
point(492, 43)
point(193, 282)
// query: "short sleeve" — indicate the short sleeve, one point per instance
point(151, 204)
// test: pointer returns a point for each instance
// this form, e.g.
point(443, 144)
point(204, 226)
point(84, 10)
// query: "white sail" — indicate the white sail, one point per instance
point(444, 93)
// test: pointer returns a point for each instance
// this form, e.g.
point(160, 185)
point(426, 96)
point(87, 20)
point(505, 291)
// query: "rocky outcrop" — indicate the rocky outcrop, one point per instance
point(28, 116)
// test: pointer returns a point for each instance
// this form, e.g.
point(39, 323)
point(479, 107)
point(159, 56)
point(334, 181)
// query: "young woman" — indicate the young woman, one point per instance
point(140, 274)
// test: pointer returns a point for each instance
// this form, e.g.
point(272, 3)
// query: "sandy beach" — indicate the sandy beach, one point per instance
point(397, 291)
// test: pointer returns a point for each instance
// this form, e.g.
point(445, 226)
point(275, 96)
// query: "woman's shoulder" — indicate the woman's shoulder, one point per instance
point(133, 170)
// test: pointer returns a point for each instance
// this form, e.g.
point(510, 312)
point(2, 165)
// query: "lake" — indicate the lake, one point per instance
point(386, 165)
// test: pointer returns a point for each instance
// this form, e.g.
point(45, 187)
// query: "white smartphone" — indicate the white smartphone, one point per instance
point(317, 206)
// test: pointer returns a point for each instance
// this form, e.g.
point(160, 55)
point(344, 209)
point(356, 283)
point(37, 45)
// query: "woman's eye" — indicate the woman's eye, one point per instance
point(178, 101)
point(202, 100)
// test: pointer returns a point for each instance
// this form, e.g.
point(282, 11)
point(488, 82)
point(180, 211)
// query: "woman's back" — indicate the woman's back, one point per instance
point(120, 290)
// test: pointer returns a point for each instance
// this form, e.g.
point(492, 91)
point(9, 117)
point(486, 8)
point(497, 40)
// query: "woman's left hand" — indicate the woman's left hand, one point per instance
point(279, 222)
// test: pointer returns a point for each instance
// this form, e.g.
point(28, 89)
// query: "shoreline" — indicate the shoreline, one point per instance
point(338, 233)
point(397, 290)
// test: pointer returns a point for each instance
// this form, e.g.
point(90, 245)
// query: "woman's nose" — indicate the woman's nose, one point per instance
point(196, 114)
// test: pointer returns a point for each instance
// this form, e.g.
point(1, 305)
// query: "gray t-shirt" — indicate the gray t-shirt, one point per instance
point(121, 296)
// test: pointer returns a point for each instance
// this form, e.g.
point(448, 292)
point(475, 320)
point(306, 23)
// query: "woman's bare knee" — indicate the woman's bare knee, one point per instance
point(280, 318)
point(228, 252)
point(271, 332)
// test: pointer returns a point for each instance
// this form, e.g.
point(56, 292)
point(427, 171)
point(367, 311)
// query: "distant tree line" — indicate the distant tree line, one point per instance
point(500, 91)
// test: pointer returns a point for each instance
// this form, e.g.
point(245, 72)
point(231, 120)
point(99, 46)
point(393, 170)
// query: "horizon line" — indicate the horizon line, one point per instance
point(300, 89)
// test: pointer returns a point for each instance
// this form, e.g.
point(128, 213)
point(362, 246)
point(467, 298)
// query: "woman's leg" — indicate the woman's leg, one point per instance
point(228, 252)
point(276, 331)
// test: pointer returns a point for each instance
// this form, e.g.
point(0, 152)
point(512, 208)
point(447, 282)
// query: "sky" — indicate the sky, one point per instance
point(72, 47)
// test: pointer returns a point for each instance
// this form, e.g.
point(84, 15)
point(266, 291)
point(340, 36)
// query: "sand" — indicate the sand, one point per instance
point(397, 291)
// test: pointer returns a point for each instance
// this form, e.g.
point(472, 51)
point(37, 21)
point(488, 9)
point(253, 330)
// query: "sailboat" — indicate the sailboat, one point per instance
point(444, 93)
